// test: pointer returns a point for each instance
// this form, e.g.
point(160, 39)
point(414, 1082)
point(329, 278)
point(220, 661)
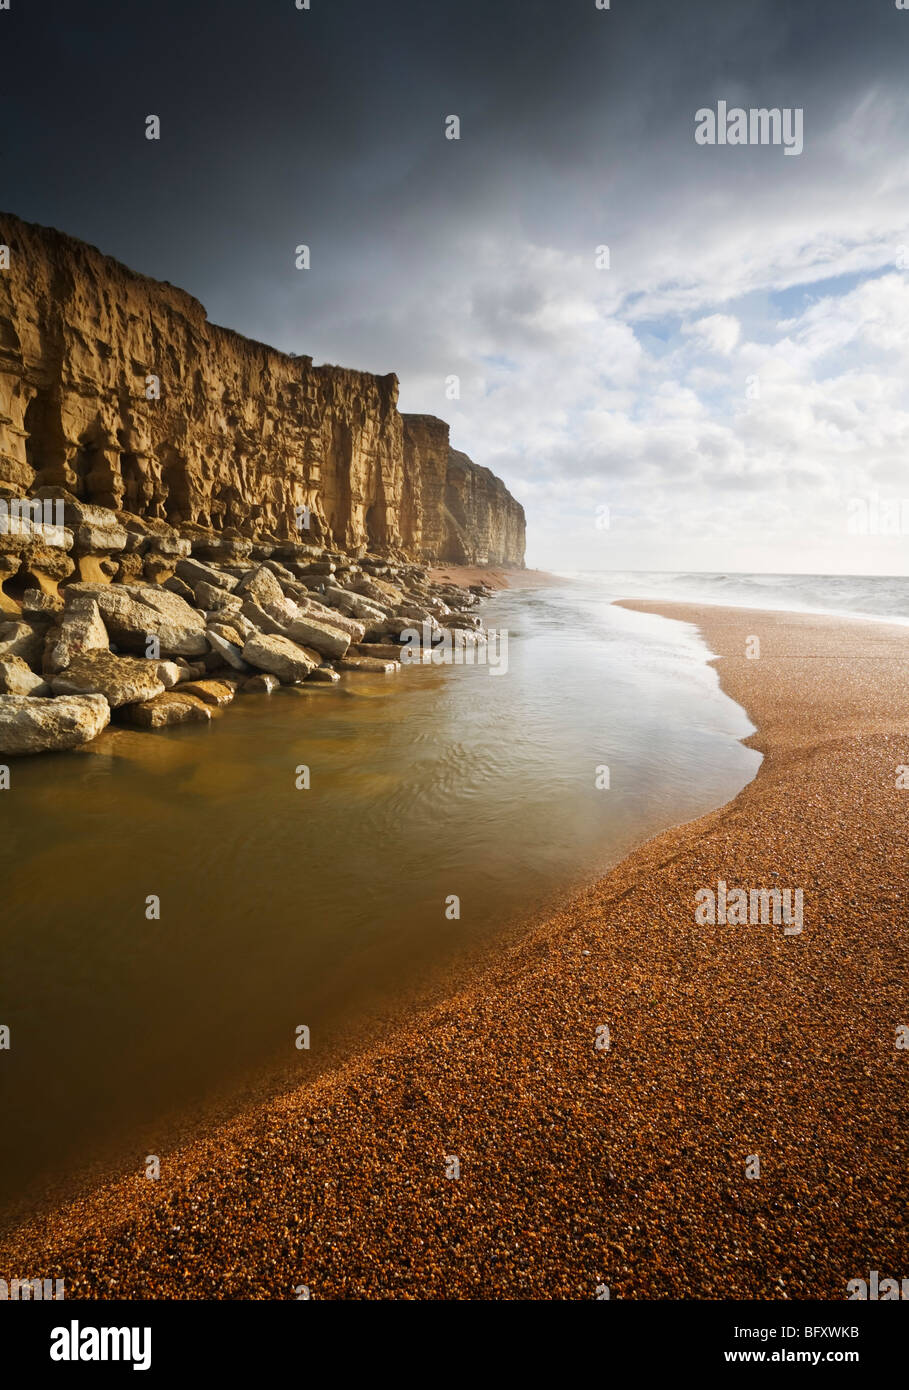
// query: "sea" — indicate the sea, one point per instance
point(861, 596)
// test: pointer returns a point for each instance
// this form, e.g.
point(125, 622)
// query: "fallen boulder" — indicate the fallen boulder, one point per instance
point(217, 693)
point(261, 586)
point(383, 651)
point(262, 621)
point(283, 610)
point(279, 655)
point(169, 674)
point(34, 725)
point(18, 678)
point(36, 602)
point(368, 663)
point(172, 707)
point(189, 670)
point(210, 596)
point(122, 680)
point(309, 631)
point(133, 613)
point(191, 571)
point(355, 630)
point(80, 630)
point(264, 683)
point(223, 647)
point(23, 640)
point(173, 585)
point(354, 606)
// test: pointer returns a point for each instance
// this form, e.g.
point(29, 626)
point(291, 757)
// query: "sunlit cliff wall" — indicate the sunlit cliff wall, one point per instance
point(241, 436)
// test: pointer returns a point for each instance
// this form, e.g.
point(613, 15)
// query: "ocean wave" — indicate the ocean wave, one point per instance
point(863, 596)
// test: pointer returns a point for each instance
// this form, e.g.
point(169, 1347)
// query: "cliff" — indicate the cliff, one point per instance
point(117, 388)
point(456, 510)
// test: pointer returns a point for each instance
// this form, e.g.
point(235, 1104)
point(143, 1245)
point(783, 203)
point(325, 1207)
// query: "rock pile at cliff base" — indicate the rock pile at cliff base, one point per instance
point(109, 616)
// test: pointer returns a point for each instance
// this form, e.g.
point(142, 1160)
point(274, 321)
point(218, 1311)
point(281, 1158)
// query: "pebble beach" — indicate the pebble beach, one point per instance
point(495, 1147)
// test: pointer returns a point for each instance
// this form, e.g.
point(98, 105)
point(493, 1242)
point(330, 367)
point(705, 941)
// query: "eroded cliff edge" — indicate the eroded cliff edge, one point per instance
point(240, 438)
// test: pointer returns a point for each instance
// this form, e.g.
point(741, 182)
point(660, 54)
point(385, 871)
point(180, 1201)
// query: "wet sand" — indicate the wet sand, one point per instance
point(582, 1167)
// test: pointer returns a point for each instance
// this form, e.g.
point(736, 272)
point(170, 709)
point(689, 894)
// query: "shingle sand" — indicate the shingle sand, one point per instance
point(623, 1166)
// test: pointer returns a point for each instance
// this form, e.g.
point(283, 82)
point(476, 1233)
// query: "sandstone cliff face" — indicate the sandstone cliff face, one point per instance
point(240, 437)
point(455, 510)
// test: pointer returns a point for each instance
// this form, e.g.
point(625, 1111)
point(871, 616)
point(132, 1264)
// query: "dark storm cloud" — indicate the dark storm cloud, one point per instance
point(432, 257)
point(325, 126)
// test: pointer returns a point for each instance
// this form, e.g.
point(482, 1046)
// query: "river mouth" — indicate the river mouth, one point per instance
point(331, 906)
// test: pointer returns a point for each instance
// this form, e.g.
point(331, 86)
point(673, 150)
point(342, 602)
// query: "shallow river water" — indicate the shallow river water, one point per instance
point(326, 907)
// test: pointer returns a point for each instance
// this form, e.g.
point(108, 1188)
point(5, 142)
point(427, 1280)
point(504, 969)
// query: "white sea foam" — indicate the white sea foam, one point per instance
point(880, 597)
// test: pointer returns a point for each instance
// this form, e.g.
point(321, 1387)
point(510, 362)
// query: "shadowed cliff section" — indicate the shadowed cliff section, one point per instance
point(241, 436)
point(466, 515)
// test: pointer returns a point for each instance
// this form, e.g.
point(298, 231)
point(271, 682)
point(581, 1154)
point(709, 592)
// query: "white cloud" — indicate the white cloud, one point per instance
point(717, 333)
point(740, 371)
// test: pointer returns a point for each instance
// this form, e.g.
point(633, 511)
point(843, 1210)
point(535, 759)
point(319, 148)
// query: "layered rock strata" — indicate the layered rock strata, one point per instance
point(456, 510)
point(117, 389)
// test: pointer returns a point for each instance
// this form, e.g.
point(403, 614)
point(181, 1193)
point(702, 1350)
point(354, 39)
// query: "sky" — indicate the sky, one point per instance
point(730, 393)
